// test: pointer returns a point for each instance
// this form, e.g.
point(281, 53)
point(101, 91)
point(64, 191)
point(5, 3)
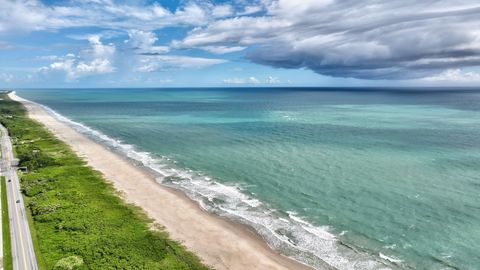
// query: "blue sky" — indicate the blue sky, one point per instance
point(106, 43)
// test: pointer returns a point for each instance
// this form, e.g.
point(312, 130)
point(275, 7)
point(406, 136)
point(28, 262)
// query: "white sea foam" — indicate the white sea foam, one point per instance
point(391, 259)
point(288, 233)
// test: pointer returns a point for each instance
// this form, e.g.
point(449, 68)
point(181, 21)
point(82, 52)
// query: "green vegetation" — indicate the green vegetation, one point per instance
point(79, 222)
point(7, 246)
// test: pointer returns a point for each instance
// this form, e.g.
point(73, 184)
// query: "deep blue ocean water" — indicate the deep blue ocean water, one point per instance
point(354, 178)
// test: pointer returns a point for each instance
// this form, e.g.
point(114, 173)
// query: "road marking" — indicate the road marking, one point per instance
point(21, 231)
point(13, 188)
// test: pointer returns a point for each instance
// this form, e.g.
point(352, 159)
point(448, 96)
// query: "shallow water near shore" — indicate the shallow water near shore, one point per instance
point(352, 178)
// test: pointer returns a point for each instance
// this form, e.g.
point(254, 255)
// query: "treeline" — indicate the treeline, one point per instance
point(78, 220)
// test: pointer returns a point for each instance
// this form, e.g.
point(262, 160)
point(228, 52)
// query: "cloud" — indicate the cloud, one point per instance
point(253, 80)
point(252, 9)
point(172, 62)
point(370, 39)
point(223, 49)
point(37, 15)
point(151, 58)
point(99, 50)
point(140, 54)
point(75, 69)
point(48, 58)
point(33, 15)
point(249, 80)
point(234, 81)
point(272, 80)
point(98, 59)
point(143, 42)
point(455, 75)
point(222, 11)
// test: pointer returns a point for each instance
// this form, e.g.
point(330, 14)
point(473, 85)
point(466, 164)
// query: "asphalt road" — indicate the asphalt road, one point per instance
point(23, 255)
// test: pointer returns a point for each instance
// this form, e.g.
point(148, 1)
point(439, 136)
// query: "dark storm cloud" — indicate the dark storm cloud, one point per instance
point(360, 39)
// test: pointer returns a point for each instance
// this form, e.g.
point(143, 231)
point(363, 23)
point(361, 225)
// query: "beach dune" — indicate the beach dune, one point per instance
point(220, 243)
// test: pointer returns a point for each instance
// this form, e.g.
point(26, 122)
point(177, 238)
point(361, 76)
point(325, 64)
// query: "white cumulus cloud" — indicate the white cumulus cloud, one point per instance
point(98, 59)
point(144, 42)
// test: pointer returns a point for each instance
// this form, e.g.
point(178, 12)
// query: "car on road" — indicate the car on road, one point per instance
point(18, 201)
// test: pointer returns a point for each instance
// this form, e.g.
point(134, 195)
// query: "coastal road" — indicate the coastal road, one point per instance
point(23, 255)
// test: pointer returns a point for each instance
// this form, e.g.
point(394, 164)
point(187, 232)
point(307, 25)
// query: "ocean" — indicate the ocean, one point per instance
point(349, 178)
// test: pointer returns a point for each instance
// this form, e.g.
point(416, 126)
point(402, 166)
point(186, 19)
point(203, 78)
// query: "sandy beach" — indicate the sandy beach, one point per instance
point(218, 242)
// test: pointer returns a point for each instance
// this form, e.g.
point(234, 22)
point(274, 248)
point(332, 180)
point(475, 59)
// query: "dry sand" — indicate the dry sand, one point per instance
point(218, 242)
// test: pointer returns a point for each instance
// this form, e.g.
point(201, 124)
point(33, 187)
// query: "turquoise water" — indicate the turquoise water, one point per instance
point(352, 178)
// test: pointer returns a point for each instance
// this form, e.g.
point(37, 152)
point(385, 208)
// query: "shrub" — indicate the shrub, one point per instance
point(33, 158)
point(69, 263)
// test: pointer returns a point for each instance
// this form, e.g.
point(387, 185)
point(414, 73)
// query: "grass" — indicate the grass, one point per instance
point(7, 246)
point(78, 219)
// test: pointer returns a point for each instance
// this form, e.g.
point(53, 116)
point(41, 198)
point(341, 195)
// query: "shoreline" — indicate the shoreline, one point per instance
point(219, 242)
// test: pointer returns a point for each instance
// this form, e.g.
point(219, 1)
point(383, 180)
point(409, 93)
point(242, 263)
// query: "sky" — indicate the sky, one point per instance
point(189, 43)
